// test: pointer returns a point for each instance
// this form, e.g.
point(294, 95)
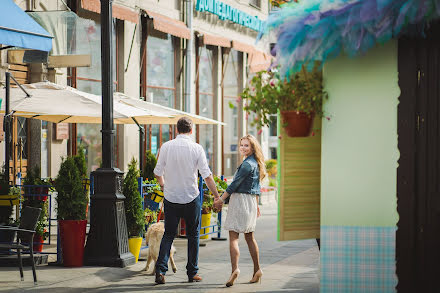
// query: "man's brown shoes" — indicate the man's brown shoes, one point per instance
point(160, 279)
point(196, 278)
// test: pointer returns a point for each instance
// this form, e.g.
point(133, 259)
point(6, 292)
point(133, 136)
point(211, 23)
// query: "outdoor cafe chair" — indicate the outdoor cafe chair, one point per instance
point(25, 234)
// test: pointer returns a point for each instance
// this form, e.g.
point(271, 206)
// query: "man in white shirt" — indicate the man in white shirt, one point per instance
point(176, 171)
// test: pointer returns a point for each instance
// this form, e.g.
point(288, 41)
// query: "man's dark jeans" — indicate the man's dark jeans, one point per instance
point(173, 212)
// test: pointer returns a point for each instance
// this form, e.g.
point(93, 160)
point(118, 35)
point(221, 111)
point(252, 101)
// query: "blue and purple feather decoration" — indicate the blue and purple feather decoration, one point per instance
point(318, 30)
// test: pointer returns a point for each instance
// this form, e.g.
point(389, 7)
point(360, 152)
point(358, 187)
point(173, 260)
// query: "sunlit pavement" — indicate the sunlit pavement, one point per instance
point(288, 266)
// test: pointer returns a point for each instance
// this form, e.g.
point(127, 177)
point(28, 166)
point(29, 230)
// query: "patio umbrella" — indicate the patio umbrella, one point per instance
point(171, 115)
point(56, 103)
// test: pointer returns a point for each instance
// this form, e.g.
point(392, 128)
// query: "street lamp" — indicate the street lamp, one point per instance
point(107, 242)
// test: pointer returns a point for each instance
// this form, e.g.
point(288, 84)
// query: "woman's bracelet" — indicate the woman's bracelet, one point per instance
point(220, 198)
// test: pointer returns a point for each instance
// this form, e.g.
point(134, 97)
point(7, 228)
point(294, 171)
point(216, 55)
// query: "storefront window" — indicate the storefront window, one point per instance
point(206, 102)
point(88, 79)
point(160, 80)
point(155, 139)
point(230, 113)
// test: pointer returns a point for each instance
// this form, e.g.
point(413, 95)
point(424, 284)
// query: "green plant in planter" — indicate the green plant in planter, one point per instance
point(150, 164)
point(43, 220)
point(207, 204)
point(221, 184)
point(80, 161)
point(133, 204)
point(72, 198)
point(267, 93)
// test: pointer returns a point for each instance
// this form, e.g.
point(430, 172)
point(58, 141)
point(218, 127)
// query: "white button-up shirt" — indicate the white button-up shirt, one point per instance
point(179, 160)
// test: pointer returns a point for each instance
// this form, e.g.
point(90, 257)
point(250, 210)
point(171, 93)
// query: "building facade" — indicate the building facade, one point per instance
point(194, 56)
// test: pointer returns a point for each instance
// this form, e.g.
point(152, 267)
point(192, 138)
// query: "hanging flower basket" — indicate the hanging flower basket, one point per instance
point(297, 124)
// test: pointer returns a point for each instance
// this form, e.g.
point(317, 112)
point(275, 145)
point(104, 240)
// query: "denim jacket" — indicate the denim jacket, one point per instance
point(246, 178)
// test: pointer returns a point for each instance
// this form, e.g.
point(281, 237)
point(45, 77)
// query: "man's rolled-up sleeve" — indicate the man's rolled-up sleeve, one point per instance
point(242, 173)
point(202, 164)
point(159, 170)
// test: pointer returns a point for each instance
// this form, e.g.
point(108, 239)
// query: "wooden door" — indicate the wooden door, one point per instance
point(418, 175)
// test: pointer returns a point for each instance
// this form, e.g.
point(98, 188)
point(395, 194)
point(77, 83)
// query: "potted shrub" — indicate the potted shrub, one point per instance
point(150, 164)
point(71, 212)
point(299, 100)
point(81, 164)
point(134, 212)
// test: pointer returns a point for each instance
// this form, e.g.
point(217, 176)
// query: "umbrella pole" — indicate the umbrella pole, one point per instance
point(6, 125)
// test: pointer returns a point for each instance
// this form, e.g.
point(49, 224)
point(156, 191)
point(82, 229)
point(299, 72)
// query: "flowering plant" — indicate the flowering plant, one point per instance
point(267, 93)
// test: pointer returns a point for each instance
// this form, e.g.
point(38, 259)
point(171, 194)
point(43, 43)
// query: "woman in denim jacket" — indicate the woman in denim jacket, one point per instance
point(243, 207)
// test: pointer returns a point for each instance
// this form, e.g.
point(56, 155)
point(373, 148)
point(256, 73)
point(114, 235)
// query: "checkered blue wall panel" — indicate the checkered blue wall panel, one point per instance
point(358, 259)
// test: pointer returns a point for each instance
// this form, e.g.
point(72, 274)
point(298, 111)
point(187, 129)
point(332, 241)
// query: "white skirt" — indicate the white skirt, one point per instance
point(242, 213)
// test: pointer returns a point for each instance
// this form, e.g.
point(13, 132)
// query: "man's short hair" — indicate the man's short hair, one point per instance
point(184, 125)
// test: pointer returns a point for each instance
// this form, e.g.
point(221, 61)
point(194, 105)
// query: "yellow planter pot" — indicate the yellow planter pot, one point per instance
point(9, 200)
point(134, 245)
point(206, 221)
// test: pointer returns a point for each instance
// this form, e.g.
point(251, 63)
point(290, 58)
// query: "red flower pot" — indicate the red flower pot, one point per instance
point(38, 243)
point(73, 236)
point(299, 124)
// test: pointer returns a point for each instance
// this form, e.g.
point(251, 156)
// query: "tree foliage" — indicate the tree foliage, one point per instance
point(72, 198)
point(150, 164)
point(133, 204)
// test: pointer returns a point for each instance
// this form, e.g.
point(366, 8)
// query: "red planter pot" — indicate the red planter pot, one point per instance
point(299, 124)
point(73, 236)
point(38, 243)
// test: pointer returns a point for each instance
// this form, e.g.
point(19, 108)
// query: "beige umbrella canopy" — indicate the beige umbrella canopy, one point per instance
point(172, 115)
point(55, 103)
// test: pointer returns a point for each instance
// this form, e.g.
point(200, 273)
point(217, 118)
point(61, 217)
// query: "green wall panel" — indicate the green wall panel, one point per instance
point(359, 143)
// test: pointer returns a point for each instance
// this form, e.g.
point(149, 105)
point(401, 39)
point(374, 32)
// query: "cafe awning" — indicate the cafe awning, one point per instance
point(17, 29)
point(169, 25)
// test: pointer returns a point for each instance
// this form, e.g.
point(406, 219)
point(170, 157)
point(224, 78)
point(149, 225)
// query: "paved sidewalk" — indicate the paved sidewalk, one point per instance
point(288, 266)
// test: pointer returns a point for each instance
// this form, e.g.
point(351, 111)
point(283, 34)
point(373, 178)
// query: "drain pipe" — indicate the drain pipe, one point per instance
point(189, 49)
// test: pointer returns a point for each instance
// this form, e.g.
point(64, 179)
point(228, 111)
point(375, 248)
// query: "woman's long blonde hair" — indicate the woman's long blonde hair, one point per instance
point(257, 151)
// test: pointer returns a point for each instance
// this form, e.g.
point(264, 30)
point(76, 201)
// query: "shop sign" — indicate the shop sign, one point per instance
point(61, 131)
point(226, 12)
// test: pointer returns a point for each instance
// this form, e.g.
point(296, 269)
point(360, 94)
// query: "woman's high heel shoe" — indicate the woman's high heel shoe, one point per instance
point(257, 277)
point(233, 277)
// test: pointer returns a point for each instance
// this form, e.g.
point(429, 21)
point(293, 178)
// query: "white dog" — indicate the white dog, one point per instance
point(153, 238)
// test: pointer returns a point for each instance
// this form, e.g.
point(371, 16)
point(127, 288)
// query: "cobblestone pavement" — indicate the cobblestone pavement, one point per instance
point(288, 266)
